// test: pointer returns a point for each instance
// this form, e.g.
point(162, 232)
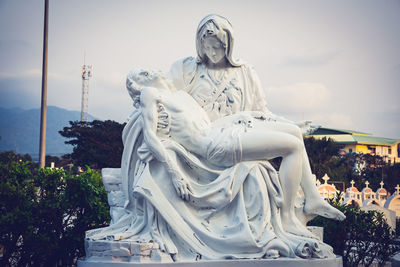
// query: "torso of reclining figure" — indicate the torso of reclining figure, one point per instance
point(185, 119)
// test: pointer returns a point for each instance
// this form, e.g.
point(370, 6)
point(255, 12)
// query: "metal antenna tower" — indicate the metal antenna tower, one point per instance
point(86, 74)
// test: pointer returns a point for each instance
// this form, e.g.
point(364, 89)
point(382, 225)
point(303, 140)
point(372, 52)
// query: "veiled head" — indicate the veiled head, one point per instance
point(219, 27)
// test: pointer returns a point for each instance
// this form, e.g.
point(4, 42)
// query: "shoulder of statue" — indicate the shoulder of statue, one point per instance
point(189, 69)
point(250, 70)
point(247, 66)
point(189, 64)
point(183, 70)
point(186, 63)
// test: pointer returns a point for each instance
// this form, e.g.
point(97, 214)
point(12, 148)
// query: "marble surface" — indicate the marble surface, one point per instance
point(195, 181)
point(286, 262)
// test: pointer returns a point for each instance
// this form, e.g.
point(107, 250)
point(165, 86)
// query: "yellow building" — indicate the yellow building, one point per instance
point(358, 142)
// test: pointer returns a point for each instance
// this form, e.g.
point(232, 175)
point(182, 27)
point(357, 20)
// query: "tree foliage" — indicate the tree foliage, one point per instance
point(58, 161)
point(97, 143)
point(362, 238)
point(392, 175)
point(7, 156)
point(45, 213)
point(320, 153)
point(324, 158)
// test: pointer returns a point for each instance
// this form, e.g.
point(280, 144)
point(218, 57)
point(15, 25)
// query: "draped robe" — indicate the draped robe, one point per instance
point(232, 212)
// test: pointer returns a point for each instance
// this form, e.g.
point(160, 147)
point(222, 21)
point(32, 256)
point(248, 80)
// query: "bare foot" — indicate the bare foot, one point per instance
point(271, 254)
point(318, 206)
point(291, 224)
point(276, 248)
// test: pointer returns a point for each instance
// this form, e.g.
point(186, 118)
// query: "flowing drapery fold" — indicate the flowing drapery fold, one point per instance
point(232, 212)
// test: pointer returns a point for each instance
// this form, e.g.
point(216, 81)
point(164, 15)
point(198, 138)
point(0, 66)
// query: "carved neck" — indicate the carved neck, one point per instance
point(223, 64)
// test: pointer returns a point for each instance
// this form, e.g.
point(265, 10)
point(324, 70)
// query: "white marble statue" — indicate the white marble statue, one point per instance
point(195, 171)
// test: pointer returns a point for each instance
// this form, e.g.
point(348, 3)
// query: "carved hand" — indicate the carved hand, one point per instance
point(306, 127)
point(258, 115)
point(182, 187)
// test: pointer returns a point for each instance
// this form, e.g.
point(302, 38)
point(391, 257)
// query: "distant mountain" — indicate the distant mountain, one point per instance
point(20, 130)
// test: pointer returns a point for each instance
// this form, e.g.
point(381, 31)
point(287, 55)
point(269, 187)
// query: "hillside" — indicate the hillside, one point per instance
point(20, 129)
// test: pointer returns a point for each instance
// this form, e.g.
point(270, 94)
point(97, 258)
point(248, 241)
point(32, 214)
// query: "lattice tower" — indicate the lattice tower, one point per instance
point(86, 74)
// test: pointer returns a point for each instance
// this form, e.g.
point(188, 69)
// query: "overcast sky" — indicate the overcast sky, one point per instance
point(336, 63)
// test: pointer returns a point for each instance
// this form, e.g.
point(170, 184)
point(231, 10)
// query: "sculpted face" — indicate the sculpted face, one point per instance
point(214, 49)
point(154, 79)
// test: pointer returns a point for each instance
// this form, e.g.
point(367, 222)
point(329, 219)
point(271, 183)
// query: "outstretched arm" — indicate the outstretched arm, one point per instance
point(149, 100)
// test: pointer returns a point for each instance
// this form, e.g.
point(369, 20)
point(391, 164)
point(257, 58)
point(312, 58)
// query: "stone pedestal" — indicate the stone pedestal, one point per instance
point(126, 253)
point(131, 253)
point(280, 262)
point(395, 260)
point(105, 251)
point(112, 184)
point(317, 231)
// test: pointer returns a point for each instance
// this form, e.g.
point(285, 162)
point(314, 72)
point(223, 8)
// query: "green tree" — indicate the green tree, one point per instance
point(17, 195)
point(392, 177)
point(341, 168)
point(320, 153)
point(59, 162)
point(362, 238)
point(45, 213)
point(97, 143)
point(369, 168)
point(324, 158)
point(374, 169)
point(7, 156)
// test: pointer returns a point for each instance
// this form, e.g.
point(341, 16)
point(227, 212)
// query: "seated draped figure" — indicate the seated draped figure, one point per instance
point(196, 177)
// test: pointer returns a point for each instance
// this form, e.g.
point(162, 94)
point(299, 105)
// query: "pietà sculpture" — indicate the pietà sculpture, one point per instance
point(195, 176)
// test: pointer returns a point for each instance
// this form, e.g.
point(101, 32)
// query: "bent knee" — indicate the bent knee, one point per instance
point(295, 131)
point(294, 144)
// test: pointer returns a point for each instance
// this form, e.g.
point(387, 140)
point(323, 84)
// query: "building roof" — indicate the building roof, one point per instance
point(353, 189)
point(372, 140)
point(367, 190)
point(327, 187)
point(353, 137)
point(330, 131)
point(381, 191)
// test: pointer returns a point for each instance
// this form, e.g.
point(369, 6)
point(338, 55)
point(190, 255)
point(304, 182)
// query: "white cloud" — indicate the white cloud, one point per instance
point(32, 73)
point(60, 76)
point(24, 74)
point(299, 97)
point(310, 58)
point(354, 61)
point(308, 101)
point(334, 120)
point(114, 79)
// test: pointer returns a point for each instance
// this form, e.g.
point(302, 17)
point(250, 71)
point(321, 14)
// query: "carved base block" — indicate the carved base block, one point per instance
point(317, 231)
point(104, 251)
point(281, 262)
point(395, 260)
